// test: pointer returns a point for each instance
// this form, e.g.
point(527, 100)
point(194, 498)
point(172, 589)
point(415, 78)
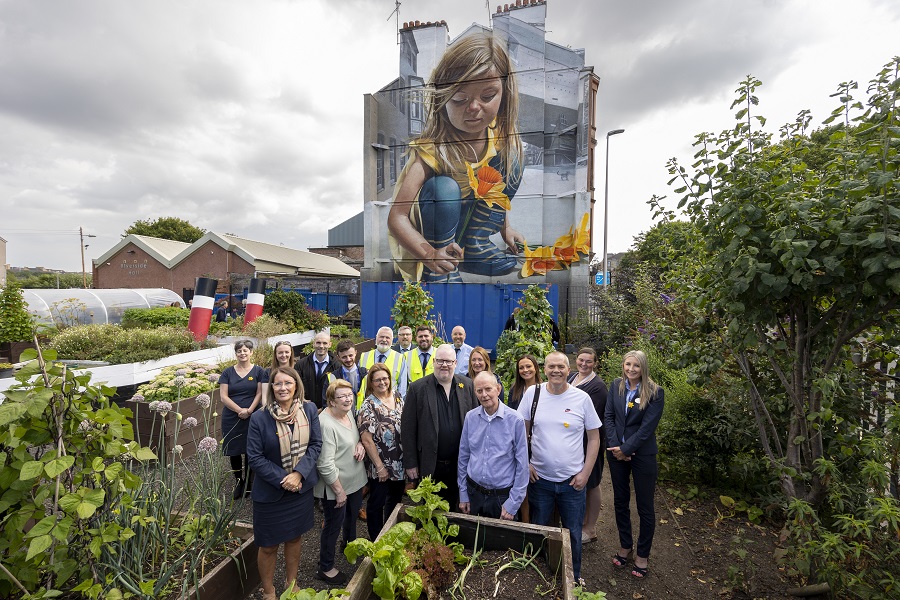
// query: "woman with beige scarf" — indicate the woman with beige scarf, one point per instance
point(283, 445)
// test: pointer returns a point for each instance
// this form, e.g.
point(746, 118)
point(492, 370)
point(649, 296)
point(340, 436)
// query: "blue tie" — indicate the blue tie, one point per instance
point(381, 358)
point(425, 356)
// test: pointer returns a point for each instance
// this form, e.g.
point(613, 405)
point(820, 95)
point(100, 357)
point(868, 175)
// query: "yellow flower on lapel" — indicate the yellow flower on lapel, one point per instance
point(565, 424)
point(460, 385)
point(630, 405)
point(250, 378)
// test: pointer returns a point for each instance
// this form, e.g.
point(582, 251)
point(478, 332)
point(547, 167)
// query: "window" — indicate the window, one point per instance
point(379, 164)
point(393, 160)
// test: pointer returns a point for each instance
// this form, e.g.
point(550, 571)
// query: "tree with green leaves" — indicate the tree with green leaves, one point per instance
point(800, 245)
point(167, 228)
point(532, 334)
point(15, 323)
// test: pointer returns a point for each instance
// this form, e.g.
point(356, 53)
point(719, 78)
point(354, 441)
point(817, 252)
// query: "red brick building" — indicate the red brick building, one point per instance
point(145, 262)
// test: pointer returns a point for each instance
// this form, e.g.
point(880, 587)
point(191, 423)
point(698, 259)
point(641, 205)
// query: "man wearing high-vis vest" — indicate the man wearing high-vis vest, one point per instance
point(348, 371)
point(419, 361)
point(383, 353)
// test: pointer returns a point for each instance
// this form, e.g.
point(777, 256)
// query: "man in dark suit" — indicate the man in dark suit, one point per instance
point(432, 420)
point(404, 339)
point(314, 369)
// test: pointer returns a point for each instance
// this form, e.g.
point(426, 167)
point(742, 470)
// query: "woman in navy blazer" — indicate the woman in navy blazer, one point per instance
point(283, 444)
point(632, 413)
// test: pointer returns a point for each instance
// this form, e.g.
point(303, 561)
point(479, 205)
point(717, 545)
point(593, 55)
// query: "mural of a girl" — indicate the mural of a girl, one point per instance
point(463, 171)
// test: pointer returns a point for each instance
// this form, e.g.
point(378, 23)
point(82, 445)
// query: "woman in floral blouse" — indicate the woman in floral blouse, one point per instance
point(379, 429)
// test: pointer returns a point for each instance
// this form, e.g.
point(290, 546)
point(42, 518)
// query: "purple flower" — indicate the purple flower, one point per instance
point(164, 407)
point(190, 423)
point(153, 405)
point(137, 398)
point(181, 372)
point(179, 381)
point(213, 377)
point(202, 400)
point(207, 445)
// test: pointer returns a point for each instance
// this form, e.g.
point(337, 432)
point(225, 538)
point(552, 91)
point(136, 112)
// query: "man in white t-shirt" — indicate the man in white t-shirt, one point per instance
point(559, 471)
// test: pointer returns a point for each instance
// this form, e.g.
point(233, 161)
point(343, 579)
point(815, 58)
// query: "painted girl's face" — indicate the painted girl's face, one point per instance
point(475, 105)
point(477, 363)
point(283, 355)
point(585, 363)
point(632, 369)
point(526, 369)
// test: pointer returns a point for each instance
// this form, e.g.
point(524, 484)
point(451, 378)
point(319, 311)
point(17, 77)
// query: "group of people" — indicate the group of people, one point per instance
point(331, 427)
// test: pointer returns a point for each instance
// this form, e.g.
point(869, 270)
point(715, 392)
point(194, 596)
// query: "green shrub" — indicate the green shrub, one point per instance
point(15, 322)
point(291, 307)
point(533, 336)
point(266, 326)
point(194, 379)
point(150, 318)
point(117, 345)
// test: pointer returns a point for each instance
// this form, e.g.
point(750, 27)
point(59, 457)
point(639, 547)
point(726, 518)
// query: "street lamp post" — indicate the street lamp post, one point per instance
point(82, 235)
point(606, 207)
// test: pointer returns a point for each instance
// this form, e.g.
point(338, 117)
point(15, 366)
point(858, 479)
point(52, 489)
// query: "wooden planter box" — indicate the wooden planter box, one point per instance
point(147, 424)
point(493, 534)
point(234, 577)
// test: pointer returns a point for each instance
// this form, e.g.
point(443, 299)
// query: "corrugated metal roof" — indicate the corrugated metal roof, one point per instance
point(168, 249)
point(303, 263)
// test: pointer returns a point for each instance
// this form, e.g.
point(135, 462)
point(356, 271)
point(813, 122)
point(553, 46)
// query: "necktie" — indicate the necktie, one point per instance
point(457, 352)
point(320, 366)
point(425, 356)
point(381, 358)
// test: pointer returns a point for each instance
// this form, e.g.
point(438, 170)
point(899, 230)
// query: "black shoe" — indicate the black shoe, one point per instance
point(238, 489)
point(338, 579)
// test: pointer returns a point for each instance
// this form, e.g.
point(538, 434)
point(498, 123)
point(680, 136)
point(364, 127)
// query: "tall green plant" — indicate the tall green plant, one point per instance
point(412, 306)
point(532, 334)
point(15, 322)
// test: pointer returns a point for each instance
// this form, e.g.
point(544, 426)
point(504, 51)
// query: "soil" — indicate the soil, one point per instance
point(515, 584)
point(693, 549)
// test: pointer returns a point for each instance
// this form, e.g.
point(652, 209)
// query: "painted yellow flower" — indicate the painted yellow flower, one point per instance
point(577, 240)
point(538, 261)
point(487, 184)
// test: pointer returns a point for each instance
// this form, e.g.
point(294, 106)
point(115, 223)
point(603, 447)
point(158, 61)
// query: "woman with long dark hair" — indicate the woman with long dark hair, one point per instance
point(528, 373)
point(633, 411)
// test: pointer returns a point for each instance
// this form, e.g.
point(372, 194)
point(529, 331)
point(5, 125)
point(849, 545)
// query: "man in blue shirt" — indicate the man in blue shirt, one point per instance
point(493, 456)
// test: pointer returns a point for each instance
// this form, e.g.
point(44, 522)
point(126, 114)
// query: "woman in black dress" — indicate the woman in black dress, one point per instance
point(589, 382)
point(240, 388)
point(633, 411)
point(283, 444)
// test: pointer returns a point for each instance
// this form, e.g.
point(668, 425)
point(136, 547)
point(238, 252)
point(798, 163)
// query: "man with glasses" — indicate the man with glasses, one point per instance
point(432, 420)
point(404, 339)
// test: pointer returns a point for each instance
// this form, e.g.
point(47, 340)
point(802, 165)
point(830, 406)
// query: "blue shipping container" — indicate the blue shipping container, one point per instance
point(481, 308)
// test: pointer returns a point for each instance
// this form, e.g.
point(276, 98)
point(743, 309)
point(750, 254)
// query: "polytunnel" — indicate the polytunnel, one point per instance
point(80, 307)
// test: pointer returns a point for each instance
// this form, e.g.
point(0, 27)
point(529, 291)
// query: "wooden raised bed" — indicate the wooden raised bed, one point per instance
point(234, 577)
point(493, 534)
point(147, 424)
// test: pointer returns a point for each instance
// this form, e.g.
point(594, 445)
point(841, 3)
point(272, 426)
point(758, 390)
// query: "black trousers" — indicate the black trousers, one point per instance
point(482, 505)
point(642, 468)
point(383, 497)
point(445, 472)
point(337, 519)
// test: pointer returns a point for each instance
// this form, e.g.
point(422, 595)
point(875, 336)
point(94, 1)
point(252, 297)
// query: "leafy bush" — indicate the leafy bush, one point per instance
point(266, 326)
point(412, 306)
point(291, 307)
point(117, 345)
point(15, 322)
point(150, 318)
point(533, 336)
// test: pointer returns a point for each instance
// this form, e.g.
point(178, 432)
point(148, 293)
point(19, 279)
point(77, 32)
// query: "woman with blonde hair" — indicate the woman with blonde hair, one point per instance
point(341, 476)
point(633, 411)
point(283, 445)
point(480, 360)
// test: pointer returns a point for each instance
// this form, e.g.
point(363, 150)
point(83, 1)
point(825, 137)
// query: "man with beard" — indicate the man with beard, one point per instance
point(418, 362)
point(383, 353)
point(432, 420)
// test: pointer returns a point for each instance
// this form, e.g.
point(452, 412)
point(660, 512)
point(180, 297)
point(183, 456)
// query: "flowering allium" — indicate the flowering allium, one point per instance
point(153, 405)
point(190, 423)
point(214, 377)
point(177, 449)
point(178, 381)
point(202, 400)
point(207, 445)
point(164, 407)
point(181, 372)
point(137, 398)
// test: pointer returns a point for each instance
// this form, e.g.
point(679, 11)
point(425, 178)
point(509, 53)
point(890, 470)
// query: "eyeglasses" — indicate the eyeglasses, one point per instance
point(344, 397)
point(443, 363)
point(381, 380)
point(283, 384)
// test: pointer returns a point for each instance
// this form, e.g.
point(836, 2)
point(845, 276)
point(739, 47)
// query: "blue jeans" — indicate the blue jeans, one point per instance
point(543, 495)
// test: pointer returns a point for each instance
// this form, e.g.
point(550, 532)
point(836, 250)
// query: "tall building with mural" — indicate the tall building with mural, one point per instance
point(479, 156)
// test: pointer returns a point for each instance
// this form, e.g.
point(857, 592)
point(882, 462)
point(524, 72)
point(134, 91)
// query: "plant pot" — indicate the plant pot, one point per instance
point(493, 534)
point(147, 424)
point(236, 576)
point(4, 373)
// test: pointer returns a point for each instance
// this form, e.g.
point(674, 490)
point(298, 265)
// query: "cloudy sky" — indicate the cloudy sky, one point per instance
point(246, 117)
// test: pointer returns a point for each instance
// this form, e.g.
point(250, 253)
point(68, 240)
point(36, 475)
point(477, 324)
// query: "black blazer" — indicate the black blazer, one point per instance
point(638, 429)
point(264, 455)
point(314, 387)
point(419, 421)
point(398, 349)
